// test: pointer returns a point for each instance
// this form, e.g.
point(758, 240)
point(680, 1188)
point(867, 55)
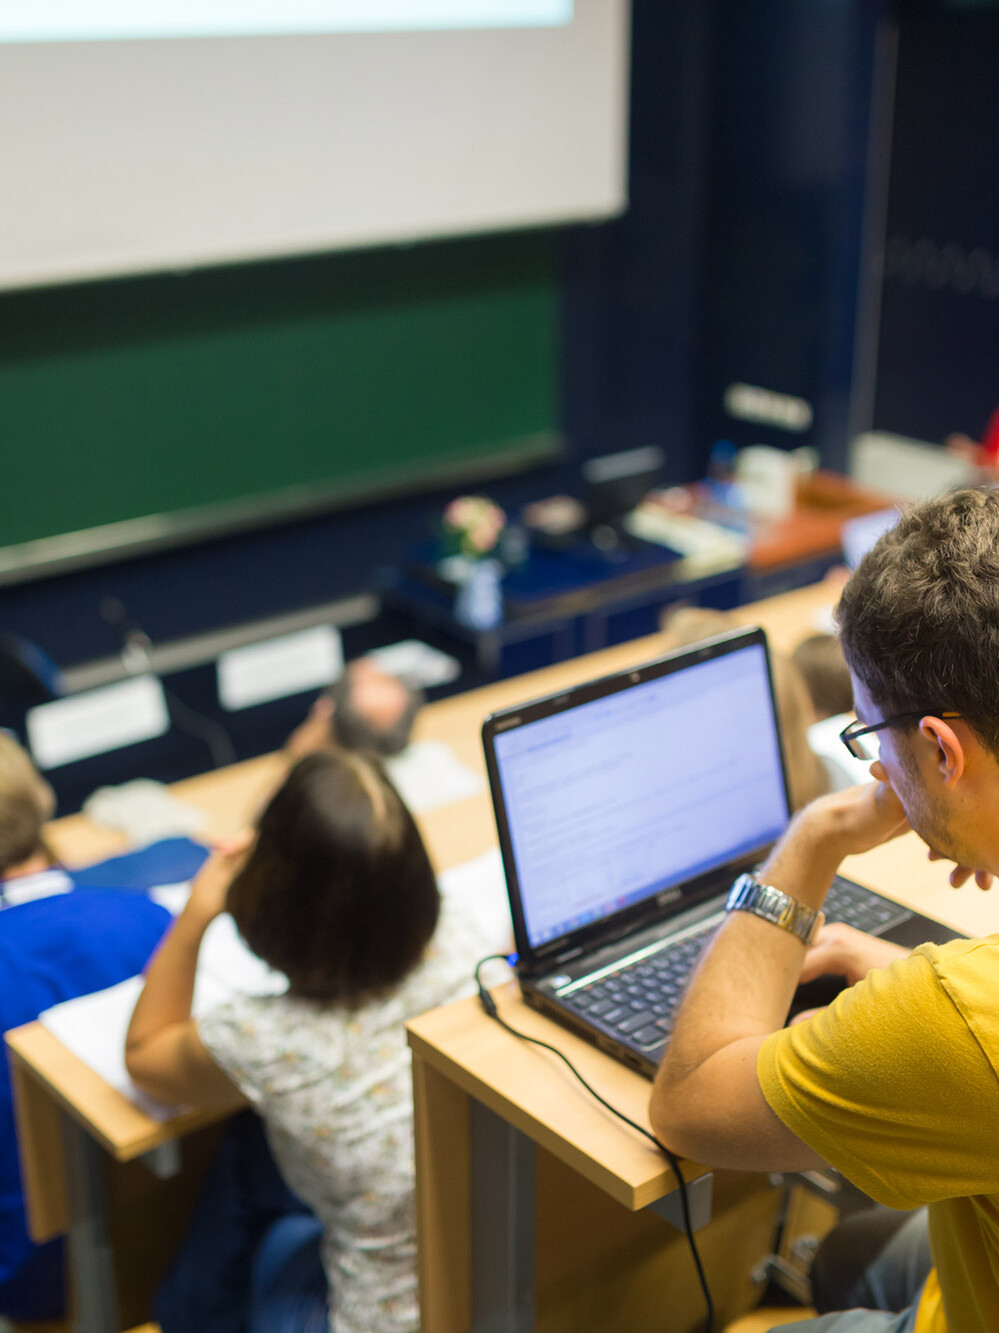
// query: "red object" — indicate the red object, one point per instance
point(990, 440)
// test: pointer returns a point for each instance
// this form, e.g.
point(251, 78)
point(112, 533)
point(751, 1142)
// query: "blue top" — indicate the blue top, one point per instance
point(169, 861)
point(55, 949)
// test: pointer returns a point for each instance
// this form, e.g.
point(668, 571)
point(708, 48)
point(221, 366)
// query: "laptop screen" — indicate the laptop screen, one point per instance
point(616, 799)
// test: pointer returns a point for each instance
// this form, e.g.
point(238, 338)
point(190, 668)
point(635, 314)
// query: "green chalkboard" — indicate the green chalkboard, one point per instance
point(182, 404)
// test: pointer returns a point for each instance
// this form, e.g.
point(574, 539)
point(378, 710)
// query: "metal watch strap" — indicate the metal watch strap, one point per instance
point(780, 909)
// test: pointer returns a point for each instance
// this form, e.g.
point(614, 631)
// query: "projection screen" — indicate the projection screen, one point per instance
point(169, 135)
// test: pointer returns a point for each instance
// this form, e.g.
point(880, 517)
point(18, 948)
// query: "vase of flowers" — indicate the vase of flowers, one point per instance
point(473, 526)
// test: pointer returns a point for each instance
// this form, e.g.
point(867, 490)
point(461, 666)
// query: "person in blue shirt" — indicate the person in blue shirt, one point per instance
point(57, 941)
point(54, 949)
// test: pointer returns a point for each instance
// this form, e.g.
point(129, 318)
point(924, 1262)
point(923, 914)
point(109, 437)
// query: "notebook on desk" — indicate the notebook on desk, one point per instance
point(625, 809)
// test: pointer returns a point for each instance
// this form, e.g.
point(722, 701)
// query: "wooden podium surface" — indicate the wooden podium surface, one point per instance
point(462, 1061)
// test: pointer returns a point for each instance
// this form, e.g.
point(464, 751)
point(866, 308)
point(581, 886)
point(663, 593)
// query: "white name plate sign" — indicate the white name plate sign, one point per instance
point(97, 721)
point(274, 668)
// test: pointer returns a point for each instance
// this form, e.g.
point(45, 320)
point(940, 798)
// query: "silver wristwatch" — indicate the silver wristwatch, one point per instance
point(780, 909)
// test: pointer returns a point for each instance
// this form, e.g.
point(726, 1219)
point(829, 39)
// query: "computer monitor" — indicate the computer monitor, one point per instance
point(613, 485)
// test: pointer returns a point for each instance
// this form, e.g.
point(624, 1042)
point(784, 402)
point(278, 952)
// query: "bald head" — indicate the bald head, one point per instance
point(372, 710)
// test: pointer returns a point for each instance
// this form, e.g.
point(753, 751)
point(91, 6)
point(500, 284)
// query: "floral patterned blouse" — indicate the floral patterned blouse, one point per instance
point(334, 1089)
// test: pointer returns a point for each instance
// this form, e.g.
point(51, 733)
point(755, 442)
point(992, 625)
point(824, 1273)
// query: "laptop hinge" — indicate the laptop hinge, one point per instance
point(706, 906)
point(564, 957)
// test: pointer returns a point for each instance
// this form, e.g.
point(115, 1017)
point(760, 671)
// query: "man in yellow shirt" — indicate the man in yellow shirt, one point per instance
point(897, 1083)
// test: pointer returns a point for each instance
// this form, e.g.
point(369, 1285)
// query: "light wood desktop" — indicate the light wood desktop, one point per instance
point(593, 1176)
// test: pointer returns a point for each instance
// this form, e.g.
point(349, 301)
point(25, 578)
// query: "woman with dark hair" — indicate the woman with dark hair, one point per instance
point(336, 891)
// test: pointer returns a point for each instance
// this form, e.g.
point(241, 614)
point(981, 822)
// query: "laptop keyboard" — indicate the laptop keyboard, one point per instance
point(861, 908)
point(638, 1000)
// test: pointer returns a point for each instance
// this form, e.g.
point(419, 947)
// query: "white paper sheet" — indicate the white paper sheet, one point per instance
point(428, 775)
point(145, 811)
point(417, 663)
point(94, 1026)
point(480, 886)
point(824, 620)
point(308, 659)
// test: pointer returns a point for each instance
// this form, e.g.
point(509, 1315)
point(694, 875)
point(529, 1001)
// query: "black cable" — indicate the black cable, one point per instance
point(136, 656)
point(489, 1005)
point(202, 728)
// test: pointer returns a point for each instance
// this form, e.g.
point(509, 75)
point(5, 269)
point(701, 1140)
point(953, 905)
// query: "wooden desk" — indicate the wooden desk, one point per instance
point(814, 529)
point(537, 1209)
point(60, 1098)
point(518, 1168)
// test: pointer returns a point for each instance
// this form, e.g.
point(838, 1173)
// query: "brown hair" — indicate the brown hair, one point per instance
point(806, 776)
point(823, 668)
point(338, 892)
point(919, 617)
point(26, 802)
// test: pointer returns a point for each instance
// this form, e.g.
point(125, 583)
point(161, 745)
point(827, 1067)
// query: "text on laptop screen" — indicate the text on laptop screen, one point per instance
point(615, 800)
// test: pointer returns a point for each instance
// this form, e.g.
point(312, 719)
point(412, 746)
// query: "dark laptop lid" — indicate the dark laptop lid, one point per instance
point(635, 796)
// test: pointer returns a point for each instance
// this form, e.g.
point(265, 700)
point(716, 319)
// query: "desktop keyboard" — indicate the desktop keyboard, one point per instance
point(638, 1000)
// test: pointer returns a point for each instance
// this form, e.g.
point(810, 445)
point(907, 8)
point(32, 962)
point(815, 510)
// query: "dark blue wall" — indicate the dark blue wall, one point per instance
point(938, 360)
point(786, 192)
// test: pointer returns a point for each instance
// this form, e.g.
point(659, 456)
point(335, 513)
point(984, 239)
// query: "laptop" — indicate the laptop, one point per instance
point(625, 808)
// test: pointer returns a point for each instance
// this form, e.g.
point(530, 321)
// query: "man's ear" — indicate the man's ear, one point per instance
point(951, 755)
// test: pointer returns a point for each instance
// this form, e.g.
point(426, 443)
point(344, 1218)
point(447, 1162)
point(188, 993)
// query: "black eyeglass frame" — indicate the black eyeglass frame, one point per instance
point(854, 730)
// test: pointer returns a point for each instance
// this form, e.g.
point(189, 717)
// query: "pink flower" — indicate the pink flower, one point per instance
point(476, 521)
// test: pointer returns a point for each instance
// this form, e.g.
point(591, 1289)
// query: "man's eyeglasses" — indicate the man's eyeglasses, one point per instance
point(861, 741)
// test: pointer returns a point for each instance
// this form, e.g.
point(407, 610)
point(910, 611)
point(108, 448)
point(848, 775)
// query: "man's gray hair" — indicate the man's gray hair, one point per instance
point(353, 731)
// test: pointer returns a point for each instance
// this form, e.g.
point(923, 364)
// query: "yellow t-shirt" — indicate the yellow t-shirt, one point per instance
point(896, 1084)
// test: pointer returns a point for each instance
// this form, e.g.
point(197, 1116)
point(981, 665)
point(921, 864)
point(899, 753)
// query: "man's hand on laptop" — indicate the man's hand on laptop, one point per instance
point(843, 951)
point(706, 1100)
